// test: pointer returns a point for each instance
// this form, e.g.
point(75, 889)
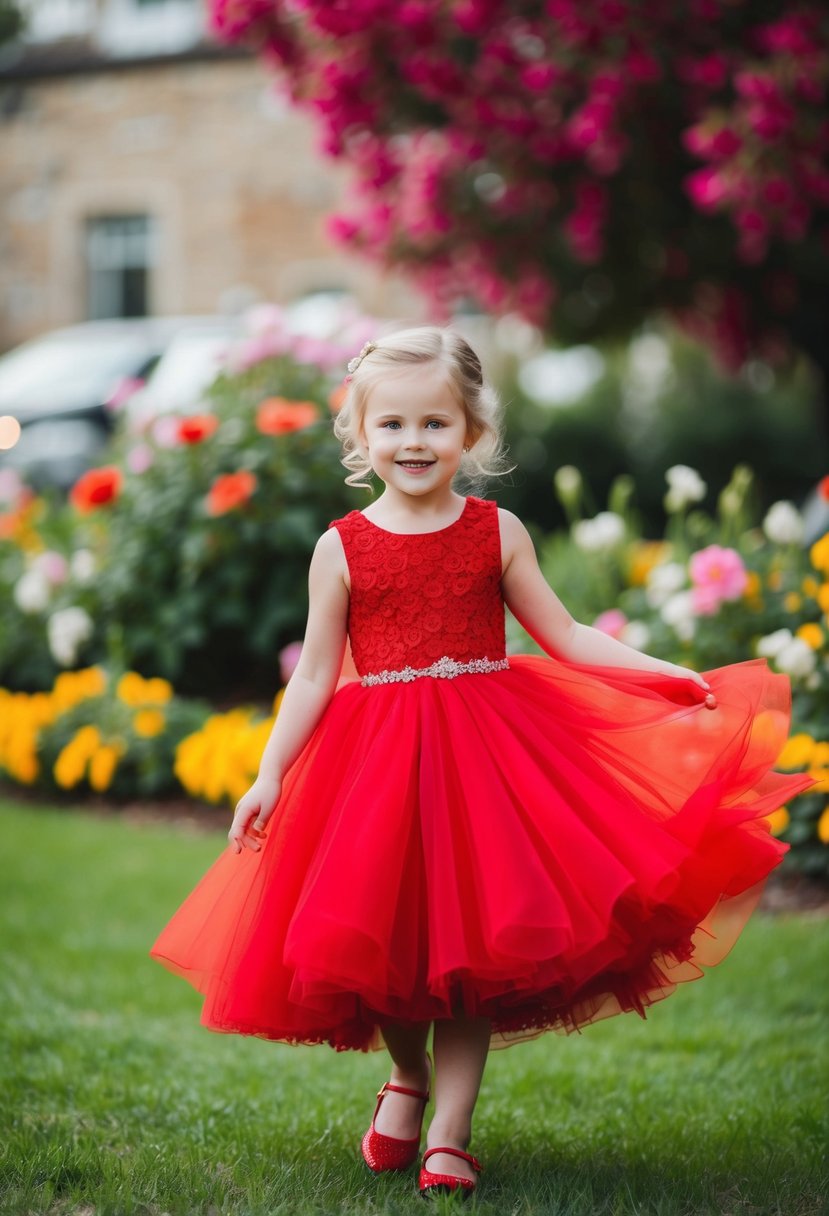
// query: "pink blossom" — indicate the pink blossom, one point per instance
point(611, 622)
point(707, 188)
point(165, 431)
point(53, 566)
point(122, 392)
point(139, 458)
point(717, 575)
point(11, 486)
point(288, 659)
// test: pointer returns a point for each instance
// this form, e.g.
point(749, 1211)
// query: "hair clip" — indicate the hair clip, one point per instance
point(357, 360)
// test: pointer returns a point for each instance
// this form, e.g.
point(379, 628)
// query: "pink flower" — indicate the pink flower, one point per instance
point(611, 622)
point(165, 431)
point(706, 188)
point(139, 458)
point(288, 659)
point(53, 566)
point(717, 575)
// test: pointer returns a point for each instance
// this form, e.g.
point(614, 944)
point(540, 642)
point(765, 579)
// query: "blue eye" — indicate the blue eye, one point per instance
point(435, 422)
point(391, 424)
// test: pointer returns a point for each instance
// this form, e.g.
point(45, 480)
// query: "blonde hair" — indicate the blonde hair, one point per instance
point(408, 348)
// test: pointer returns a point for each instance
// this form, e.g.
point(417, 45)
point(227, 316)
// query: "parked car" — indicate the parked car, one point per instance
point(58, 387)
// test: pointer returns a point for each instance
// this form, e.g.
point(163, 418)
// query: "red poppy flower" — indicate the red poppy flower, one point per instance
point(230, 491)
point(196, 427)
point(97, 487)
point(823, 488)
point(278, 416)
point(338, 395)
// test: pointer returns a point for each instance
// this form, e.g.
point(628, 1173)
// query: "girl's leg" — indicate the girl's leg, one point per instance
point(400, 1115)
point(461, 1047)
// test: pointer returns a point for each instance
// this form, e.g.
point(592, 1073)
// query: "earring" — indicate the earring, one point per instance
point(465, 450)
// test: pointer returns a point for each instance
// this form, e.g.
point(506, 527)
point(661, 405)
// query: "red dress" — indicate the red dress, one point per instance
point(536, 841)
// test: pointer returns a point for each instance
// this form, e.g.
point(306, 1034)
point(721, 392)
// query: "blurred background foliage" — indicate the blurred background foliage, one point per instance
point(640, 408)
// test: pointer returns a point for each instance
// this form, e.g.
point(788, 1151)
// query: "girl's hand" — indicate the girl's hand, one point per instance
point(253, 810)
point(684, 673)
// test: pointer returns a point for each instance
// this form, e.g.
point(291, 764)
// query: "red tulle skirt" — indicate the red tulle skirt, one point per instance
point(544, 846)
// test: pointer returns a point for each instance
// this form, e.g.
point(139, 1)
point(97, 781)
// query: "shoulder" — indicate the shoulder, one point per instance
point(329, 554)
point(515, 539)
point(511, 528)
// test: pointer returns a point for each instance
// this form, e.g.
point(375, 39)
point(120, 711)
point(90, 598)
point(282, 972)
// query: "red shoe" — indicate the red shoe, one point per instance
point(382, 1153)
point(432, 1184)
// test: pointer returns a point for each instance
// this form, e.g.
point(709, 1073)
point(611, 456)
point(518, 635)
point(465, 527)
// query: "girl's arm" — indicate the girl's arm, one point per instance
point(308, 691)
point(536, 606)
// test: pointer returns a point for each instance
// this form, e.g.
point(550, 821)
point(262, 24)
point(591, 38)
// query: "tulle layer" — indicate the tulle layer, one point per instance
point(546, 846)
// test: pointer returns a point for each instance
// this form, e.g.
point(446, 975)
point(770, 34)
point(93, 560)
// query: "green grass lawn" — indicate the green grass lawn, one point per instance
point(114, 1100)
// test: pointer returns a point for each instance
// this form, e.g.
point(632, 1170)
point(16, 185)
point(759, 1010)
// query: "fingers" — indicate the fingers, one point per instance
point(243, 833)
point(710, 701)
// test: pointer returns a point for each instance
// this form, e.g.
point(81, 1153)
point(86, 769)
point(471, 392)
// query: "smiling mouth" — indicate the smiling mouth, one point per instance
point(415, 464)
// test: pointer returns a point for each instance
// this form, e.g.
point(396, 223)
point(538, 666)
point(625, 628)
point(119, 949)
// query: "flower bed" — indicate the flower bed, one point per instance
point(717, 589)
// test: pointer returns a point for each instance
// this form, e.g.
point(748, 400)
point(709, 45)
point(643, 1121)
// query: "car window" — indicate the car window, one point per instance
point(67, 368)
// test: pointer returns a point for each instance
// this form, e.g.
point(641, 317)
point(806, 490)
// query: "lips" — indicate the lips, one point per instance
point(415, 464)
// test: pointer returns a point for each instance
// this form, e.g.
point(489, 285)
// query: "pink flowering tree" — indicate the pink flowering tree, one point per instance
point(584, 162)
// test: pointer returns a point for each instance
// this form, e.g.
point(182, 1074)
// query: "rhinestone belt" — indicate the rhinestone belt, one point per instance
point(443, 669)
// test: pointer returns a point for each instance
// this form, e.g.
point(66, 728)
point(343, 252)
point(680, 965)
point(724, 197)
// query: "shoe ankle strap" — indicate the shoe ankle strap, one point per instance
point(454, 1152)
point(401, 1089)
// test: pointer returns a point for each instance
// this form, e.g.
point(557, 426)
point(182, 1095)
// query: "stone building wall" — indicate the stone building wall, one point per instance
point(229, 174)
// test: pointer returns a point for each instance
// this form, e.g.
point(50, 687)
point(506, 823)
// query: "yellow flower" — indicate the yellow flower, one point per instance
point(71, 763)
point(220, 761)
point(797, 752)
point(753, 585)
point(102, 766)
point(819, 554)
point(823, 597)
point(820, 755)
point(21, 718)
point(812, 635)
point(130, 688)
point(823, 826)
point(778, 821)
point(134, 690)
point(158, 691)
point(792, 601)
point(809, 587)
point(821, 779)
point(644, 556)
point(71, 687)
point(149, 722)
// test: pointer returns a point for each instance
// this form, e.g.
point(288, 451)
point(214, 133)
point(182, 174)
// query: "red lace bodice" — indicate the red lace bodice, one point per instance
point(418, 597)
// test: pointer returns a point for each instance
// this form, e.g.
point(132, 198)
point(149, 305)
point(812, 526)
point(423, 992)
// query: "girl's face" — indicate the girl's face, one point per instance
point(414, 430)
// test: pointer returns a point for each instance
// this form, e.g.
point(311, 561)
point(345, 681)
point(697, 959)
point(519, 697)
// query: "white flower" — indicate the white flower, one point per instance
point(684, 486)
point(678, 612)
point(662, 581)
point(567, 480)
point(796, 659)
point(769, 647)
point(602, 532)
point(67, 630)
point(783, 524)
point(635, 634)
point(32, 591)
point(82, 566)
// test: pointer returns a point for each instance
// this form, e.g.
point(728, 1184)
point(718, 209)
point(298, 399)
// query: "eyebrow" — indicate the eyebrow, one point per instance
point(390, 416)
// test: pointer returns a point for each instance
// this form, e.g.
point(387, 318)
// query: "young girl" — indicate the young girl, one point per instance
point(489, 846)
